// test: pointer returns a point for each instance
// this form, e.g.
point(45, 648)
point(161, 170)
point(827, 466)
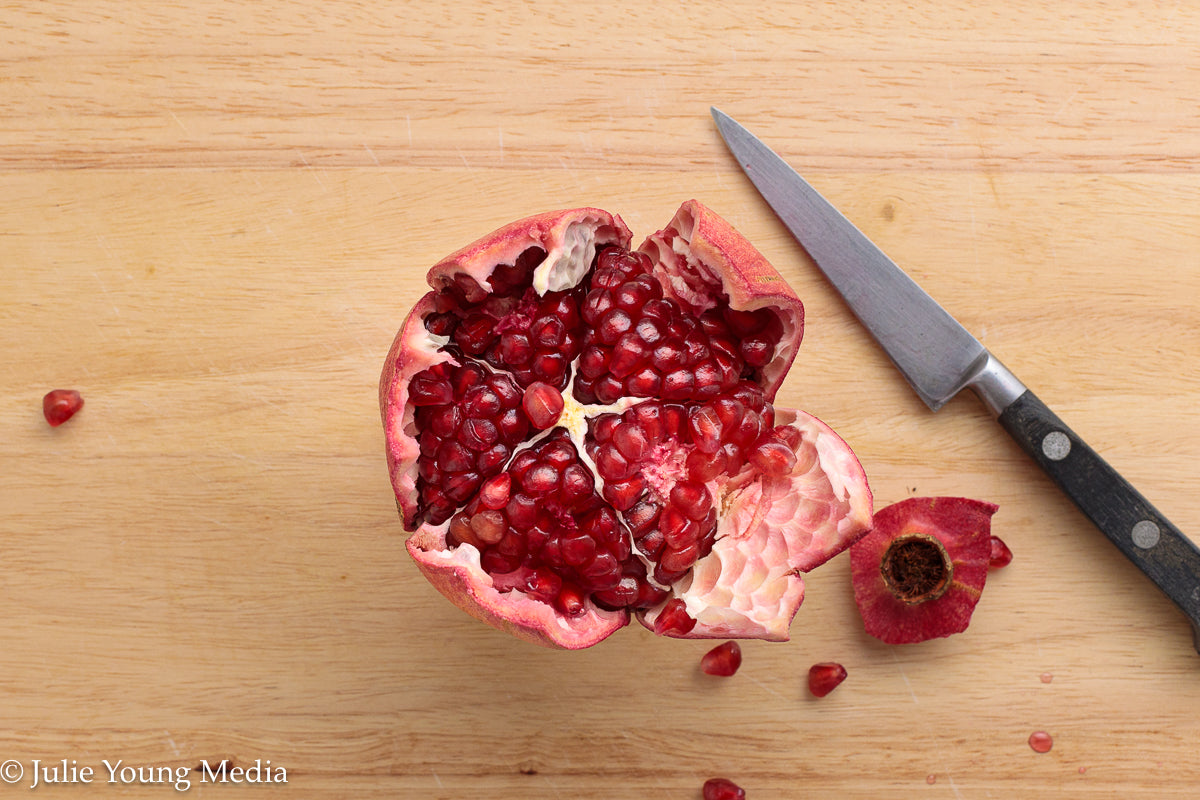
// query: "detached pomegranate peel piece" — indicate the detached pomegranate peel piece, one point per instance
point(919, 573)
point(579, 433)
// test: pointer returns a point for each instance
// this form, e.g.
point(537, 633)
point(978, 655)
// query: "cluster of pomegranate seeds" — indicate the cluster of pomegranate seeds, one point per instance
point(823, 678)
point(655, 459)
point(541, 528)
point(723, 789)
point(723, 660)
point(59, 405)
point(556, 526)
point(471, 421)
point(512, 328)
point(640, 344)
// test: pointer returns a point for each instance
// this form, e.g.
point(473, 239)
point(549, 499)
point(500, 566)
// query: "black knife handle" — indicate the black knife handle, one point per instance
point(1138, 530)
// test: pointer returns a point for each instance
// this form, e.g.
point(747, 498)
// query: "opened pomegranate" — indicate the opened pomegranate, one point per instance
point(578, 432)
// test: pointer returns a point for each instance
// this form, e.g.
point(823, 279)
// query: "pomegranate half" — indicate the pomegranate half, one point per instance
point(578, 432)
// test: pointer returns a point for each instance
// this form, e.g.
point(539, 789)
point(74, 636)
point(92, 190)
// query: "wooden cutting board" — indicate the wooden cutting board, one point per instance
point(215, 216)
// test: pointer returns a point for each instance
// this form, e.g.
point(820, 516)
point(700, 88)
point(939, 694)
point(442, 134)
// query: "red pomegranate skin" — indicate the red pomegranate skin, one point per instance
point(963, 527)
point(775, 526)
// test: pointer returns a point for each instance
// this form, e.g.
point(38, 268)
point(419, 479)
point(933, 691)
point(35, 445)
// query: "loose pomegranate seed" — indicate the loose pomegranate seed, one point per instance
point(674, 619)
point(722, 660)
point(1001, 555)
point(823, 678)
point(723, 789)
point(543, 404)
point(59, 405)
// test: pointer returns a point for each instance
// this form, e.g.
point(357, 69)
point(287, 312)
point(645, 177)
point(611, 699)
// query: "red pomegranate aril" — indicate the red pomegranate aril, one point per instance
point(460, 486)
point(630, 441)
point(460, 532)
point(723, 789)
point(707, 380)
point(627, 355)
point(570, 601)
point(548, 332)
point(703, 467)
point(492, 459)
point(623, 494)
point(773, 458)
point(623, 595)
point(577, 483)
point(678, 530)
point(522, 511)
point(489, 527)
point(723, 660)
point(494, 492)
point(705, 426)
point(823, 678)
point(543, 404)
point(514, 348)
point(615, 323)
point(608, 389)
point(674, 618)
point(611, 465)
point(693, 500)
point(643, 383)
point(424, 390)
point(652, 544)
point(540, 480)
point(453, 457)
point(1001, 555)
point(642, 516)
point(678, 560)
point(593, 362)
point(756, 351)
point(668, 357)
point(444, 420)
point(678, 385)
point(478, 434)
point(59, 405)
point(577, 550)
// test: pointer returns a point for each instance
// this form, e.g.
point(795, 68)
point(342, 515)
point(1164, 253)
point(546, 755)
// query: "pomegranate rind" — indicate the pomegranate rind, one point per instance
point(412, 350)
point(963, 526)
point(457, 574)
point(570, 239)
point(699, 255)
point(772, 529)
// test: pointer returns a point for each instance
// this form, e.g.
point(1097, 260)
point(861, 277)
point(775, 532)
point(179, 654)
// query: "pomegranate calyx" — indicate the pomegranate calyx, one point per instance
point(919, 573)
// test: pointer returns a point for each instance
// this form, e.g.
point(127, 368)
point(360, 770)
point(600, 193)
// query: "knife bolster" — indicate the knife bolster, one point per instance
point(996, 386)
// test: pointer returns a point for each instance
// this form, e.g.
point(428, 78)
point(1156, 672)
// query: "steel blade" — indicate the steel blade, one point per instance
point(936, 354)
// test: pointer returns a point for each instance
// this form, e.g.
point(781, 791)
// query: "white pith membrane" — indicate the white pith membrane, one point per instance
point(769, 528)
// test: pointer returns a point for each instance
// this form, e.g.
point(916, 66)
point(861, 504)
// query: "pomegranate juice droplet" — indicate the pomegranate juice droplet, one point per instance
point(1040, 741)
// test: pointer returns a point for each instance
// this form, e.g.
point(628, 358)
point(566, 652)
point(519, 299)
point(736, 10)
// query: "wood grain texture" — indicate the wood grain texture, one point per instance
point(216, 214)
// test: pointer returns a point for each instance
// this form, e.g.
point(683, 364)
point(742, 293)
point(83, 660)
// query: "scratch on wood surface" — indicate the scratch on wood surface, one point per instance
point(907, 684)
point(315, 174)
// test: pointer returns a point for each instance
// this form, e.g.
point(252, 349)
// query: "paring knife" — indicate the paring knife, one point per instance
point(940, 358)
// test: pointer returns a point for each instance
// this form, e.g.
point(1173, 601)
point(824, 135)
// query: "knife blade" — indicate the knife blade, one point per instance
point(940, 358)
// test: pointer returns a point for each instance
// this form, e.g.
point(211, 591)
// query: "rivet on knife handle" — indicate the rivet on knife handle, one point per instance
point(1136, 527)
